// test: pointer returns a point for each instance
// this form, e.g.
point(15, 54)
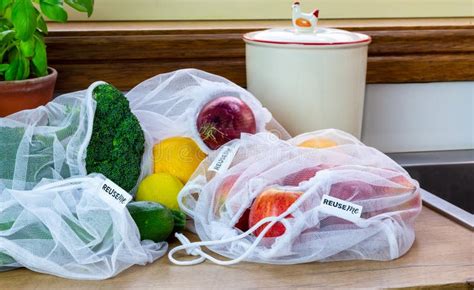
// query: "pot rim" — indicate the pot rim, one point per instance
point(52, 74)
point(248, 39)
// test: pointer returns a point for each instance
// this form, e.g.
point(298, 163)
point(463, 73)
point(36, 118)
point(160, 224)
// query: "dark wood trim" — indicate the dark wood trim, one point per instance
point(127, 53)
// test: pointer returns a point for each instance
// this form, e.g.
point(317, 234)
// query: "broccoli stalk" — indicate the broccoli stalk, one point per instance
point(117, 144)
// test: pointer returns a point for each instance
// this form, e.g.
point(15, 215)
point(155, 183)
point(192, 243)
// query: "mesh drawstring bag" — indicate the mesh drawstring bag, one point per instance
point(168, 105)
point(321, 196)
point(66, 228)
point(50, 142)
point(46, 142)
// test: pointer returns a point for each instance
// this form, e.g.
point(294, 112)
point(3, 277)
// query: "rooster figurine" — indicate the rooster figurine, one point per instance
point(304, 21)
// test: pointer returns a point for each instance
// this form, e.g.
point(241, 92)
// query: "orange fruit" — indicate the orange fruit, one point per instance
point(318, 143)
point(178, 156)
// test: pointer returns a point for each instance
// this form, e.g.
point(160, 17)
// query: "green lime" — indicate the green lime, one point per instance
point(154, 221)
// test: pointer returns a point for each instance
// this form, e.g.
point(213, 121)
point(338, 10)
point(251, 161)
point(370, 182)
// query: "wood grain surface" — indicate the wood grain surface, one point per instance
point(441, 256)
point(126, 53)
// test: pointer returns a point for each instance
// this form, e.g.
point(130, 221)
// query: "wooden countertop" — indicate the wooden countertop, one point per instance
point(443, 254)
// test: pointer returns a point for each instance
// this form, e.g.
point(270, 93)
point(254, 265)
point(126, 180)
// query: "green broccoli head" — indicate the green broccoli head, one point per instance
point(117, 144)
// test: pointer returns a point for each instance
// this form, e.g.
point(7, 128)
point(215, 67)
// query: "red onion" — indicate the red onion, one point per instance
point(224, 119)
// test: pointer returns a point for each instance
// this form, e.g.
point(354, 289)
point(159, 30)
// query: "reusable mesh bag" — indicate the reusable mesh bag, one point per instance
point(49, 142)
point(343, 172)
point(65, 228)
point(168, 105)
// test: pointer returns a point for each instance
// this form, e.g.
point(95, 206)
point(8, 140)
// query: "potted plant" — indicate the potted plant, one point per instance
point(26, 81)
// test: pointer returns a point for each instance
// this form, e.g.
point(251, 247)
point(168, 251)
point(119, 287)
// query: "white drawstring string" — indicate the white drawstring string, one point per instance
point(194, 248)
point(188, 190)
point(194, 251)
point(66, 183)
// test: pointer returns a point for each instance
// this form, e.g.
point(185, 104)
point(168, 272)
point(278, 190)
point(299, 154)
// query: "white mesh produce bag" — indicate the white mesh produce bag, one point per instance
point(68, 228)
point(46, 142)
point(342, 201)
point(51, 142)
point(168, 105)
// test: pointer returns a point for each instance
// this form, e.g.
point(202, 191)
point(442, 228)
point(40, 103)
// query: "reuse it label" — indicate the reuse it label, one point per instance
point(224, 158)
point(340, 208)
point(114, 195)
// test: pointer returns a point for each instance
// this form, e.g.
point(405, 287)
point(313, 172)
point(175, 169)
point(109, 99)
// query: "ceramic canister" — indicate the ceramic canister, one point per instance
point(309, 77)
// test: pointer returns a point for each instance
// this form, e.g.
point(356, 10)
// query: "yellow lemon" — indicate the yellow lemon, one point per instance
point(162, 188)
point(317, 143)
point(179, 156)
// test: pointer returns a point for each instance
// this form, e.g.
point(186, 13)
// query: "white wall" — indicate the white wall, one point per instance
point(419, 117)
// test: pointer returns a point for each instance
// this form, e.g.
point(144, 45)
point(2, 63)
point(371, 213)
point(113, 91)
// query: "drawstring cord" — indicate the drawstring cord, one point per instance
point(192, 187)
point(195, 250)
point(66, 184)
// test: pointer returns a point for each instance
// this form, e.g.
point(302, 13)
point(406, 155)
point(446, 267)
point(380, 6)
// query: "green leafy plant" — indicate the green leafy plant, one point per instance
point(22, 31)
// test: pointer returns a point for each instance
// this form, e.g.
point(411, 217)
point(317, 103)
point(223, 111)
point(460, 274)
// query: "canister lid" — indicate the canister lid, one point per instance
point(321, 36)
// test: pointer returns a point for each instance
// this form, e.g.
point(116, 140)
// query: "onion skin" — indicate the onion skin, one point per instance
point(224, 119)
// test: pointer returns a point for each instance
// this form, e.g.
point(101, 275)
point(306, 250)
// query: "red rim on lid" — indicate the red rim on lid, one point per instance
point(322, 36)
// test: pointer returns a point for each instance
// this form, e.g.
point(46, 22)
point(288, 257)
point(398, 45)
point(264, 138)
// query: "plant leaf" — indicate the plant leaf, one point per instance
point(7, 15)
point(6, 36)
point(82, 5)
point(40, 62)
point(54, 10)
point(27, 48)
point(24, 19)
point(11, 72)
point(26, 68)
point(19, 67)
point(4, 23)
point(4, 4)
point(4, 67)
point(3, 50)
point(42, 25)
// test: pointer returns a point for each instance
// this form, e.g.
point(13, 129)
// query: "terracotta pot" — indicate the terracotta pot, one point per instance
point(26, 94)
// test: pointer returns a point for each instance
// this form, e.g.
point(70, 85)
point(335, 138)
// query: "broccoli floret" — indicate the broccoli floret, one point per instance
point(117, 143)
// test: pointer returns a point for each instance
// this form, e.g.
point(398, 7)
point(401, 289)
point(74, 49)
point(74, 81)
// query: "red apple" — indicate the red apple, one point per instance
point(223, 119)
point(222, 192)
point(221, 196)
point(296, 178)
point(407, 210)
point(358, 190)
point(350, 191)
point(411, 207)
point(400, 179)
point(271, 202)
point(243, 223)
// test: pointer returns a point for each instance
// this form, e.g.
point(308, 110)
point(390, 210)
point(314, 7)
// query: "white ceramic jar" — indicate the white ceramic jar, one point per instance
point(309, 80)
